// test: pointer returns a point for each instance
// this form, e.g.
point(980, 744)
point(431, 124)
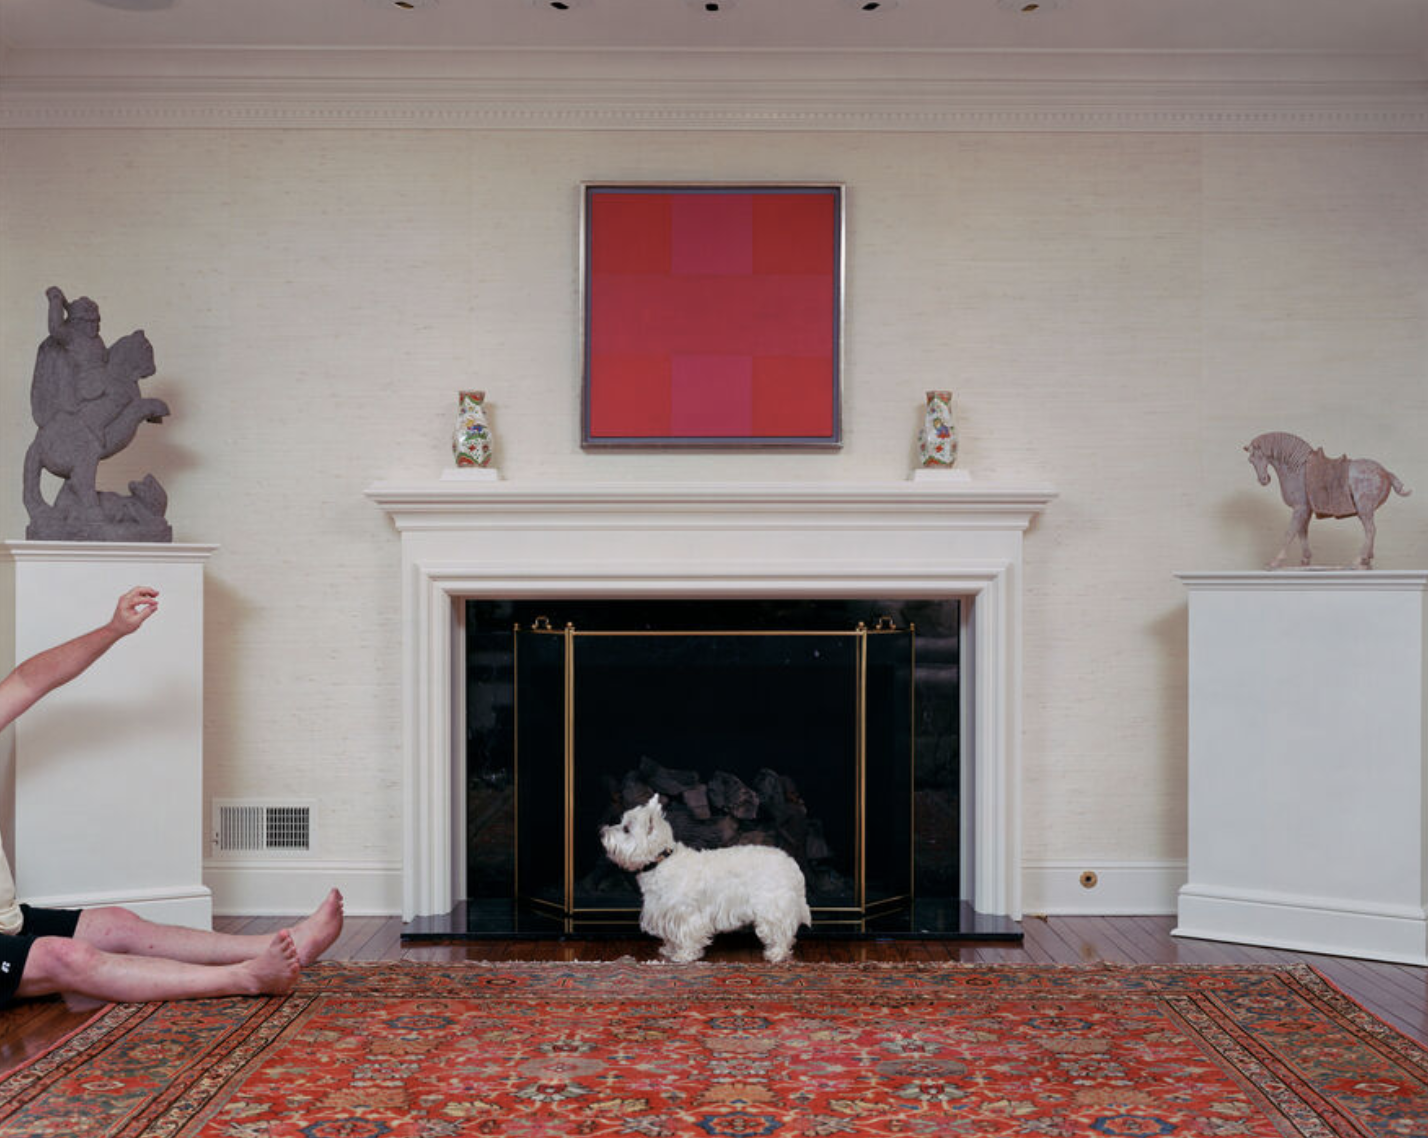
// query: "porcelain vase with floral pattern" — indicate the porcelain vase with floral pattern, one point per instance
point(937, 441)
point(471, 441)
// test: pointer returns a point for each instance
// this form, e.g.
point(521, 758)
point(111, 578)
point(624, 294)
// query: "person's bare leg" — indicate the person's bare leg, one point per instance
point(62, 964)
point(118, 930)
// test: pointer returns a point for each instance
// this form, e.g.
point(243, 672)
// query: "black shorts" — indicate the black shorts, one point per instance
point(15, 948)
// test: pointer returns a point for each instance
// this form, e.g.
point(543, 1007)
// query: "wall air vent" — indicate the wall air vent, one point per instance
point(247, 827)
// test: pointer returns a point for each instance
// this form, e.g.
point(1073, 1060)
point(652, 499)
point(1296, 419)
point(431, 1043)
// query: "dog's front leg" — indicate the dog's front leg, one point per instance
point(685, 935)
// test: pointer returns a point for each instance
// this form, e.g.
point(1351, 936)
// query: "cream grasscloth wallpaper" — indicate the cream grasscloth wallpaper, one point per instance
point(1117, 313)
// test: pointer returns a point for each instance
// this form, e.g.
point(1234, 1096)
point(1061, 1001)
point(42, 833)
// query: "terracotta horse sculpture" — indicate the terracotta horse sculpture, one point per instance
point(1313, 485)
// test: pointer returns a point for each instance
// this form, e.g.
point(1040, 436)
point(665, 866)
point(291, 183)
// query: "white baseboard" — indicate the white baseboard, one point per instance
point(275, 888)
point(291, 888)
point(1122, 888)
point(1371, 931)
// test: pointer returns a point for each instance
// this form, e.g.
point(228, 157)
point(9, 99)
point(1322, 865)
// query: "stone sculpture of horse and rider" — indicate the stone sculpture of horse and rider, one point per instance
point(86, 403)
point(1315, 486)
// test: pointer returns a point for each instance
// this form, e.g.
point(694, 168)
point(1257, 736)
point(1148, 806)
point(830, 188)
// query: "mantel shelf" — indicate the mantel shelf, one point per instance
point(414, 503)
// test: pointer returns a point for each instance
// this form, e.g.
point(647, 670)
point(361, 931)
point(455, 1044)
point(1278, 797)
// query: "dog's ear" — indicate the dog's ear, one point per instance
point(654, 803)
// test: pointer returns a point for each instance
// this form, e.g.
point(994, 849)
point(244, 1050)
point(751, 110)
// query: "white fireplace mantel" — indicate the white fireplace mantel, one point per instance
point(513, 541)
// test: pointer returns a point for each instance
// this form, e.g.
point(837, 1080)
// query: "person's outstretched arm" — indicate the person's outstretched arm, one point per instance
point(55, 666)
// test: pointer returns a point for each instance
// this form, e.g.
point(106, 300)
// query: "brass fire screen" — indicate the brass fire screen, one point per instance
point(801, 739)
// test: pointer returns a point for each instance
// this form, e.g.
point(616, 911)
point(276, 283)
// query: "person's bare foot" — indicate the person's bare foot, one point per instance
point(315, 933)
point(275, 970)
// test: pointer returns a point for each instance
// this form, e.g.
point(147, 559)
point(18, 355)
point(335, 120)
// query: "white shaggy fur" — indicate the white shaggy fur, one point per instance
point(689, 895)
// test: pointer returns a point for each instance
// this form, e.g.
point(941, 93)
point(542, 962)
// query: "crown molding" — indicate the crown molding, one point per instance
point(929, 106)
point(414, 64)
point(779, 91)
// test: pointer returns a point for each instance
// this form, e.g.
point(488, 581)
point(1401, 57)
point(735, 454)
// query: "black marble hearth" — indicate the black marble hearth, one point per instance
point(489, 919)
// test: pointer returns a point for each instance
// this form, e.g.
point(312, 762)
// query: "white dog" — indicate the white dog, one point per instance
point(689, 895)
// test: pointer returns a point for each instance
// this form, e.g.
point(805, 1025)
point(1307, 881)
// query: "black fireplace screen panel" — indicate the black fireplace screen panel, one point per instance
point(888, 786)
point(540, 668)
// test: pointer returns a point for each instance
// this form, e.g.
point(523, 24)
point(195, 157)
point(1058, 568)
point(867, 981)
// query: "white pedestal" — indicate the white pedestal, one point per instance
point(1307, 800)
point(109, 767)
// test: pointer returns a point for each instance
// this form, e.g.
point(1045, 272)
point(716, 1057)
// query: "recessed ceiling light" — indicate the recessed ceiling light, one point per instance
point(870, 5)
point(712, 7)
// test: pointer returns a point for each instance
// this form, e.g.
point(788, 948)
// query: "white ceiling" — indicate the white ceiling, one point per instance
point(1396, 28)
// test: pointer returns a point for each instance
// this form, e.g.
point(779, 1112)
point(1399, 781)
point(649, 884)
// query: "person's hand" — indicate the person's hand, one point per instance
point(134, 607)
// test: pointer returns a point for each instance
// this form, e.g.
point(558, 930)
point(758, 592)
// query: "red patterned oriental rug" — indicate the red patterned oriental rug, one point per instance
point(422, 1051)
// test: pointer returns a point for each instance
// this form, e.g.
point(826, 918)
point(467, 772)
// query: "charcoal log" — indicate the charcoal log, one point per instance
point(729, 795)
point(779, 796)
point(634, 791)
point(697, 799)
point(711, 835)
point(667, 780)
point(793, 835)
point(727, 811)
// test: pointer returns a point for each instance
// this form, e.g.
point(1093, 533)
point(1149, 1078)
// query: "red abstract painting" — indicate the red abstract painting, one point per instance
point(712, 315)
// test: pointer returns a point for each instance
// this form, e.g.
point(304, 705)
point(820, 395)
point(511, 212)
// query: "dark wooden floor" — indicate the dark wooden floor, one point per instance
point(1394, 992)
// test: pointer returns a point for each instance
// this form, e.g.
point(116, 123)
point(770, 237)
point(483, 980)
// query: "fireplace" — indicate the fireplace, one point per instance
point(826, 728)
point(919, 540)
